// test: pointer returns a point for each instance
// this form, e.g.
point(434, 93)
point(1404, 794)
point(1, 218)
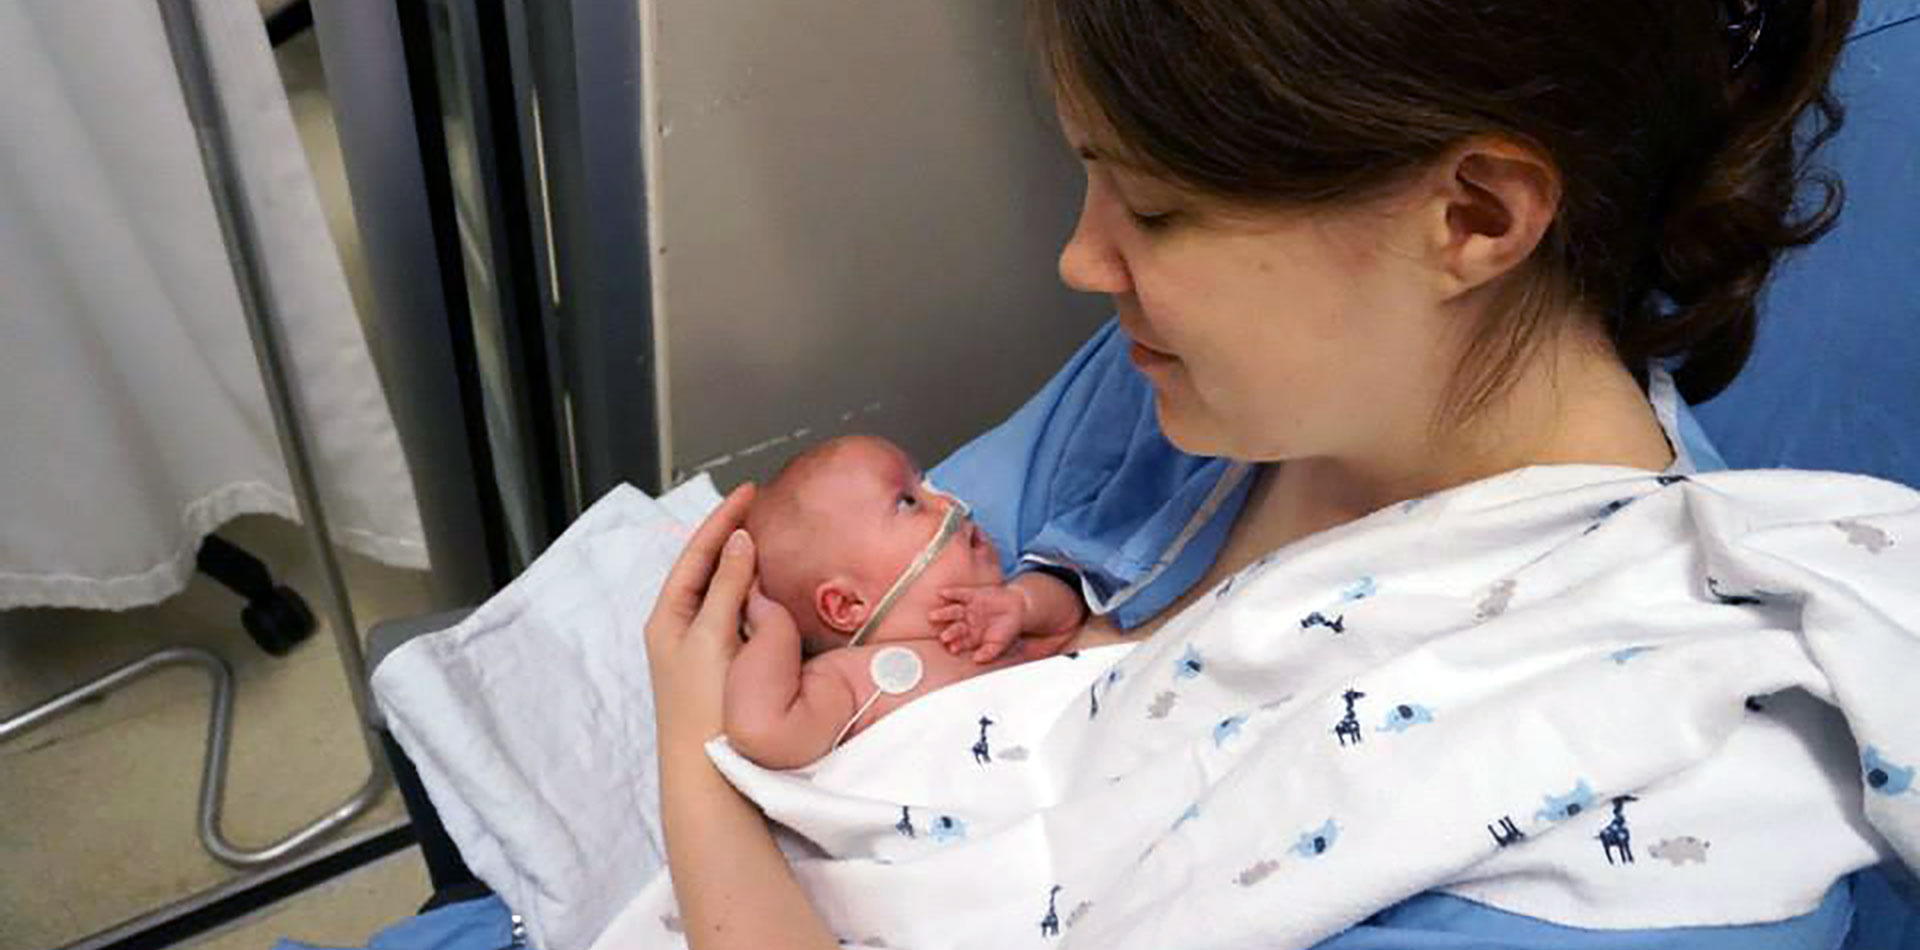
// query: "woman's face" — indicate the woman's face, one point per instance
point(1266, 335)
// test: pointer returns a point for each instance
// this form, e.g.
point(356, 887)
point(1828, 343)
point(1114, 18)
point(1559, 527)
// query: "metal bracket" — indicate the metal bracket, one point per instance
point(213, 767)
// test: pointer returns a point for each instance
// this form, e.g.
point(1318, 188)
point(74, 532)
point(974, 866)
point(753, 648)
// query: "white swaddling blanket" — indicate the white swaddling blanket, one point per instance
point(136, 421)
point(1582, 693)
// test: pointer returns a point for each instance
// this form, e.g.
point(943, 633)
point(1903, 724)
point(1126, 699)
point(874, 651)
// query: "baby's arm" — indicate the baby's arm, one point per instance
point(779, 711)
point(987, 619)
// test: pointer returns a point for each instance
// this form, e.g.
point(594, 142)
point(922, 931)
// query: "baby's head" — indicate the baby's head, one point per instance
point(837, 526)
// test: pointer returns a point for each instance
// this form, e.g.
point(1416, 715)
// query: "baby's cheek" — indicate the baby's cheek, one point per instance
point(954, 568)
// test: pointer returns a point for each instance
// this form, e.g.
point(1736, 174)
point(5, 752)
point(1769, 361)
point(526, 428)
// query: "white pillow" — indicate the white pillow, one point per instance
point(531, 722)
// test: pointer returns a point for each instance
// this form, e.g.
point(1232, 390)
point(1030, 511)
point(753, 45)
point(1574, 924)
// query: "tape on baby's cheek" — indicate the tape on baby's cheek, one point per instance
point(949, 529)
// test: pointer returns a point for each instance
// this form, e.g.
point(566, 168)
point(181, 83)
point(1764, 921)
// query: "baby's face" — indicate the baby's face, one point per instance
point(884, 516)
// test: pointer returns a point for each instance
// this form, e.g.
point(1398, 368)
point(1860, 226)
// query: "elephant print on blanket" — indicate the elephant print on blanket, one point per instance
point(1562, 807)
point(1882, 776)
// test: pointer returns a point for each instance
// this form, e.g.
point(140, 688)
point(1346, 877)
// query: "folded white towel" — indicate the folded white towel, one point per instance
point(531, 722)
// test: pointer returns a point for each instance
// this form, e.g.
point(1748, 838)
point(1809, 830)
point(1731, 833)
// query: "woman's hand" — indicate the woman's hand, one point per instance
point(694, 631)
point(733, 884)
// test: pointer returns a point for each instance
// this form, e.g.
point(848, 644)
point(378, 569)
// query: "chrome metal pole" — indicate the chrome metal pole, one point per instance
point(187, 40)
point(213, 767)
point(215, 668)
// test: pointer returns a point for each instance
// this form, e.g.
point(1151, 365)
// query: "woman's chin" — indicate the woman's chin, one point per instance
point(1186, 429)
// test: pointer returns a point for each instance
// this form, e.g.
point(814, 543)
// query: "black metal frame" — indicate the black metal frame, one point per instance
point(289, 21)
point(416, 40)
point(447, 871)
point(584, 61)
point(524, 311)
point(232, 906)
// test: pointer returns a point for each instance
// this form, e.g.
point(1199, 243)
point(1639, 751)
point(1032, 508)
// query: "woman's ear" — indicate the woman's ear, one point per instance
point(1495, 200)
point(839, 605)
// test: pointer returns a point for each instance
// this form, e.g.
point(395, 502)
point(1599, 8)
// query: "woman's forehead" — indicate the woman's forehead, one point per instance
point(1088, 134)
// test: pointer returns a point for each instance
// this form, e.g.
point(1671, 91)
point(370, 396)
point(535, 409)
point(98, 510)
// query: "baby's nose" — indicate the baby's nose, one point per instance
point(954, 502)
point(949, 502)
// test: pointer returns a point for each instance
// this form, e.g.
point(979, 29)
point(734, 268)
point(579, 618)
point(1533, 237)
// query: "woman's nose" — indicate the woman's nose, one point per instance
point(1090, 263)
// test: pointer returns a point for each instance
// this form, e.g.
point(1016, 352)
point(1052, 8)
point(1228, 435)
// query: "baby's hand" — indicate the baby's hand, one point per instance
point(985, 620)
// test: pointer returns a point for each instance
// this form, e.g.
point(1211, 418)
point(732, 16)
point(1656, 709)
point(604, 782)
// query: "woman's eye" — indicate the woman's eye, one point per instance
point(906, 503)
point(1151, 222)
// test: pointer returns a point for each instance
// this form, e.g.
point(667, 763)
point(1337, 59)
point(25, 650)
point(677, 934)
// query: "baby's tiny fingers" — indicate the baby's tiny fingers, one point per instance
point(948, 613)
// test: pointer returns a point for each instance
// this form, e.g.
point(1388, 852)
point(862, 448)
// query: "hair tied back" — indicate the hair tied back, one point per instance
point(1746, 21)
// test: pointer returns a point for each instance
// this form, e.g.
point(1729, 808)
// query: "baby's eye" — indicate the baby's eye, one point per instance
point(906, 503)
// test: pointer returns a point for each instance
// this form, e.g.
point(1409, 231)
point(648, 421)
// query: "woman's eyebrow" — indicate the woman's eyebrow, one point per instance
point(1115, 159)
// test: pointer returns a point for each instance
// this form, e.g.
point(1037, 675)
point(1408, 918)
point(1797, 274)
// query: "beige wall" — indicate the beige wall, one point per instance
point(856, 207)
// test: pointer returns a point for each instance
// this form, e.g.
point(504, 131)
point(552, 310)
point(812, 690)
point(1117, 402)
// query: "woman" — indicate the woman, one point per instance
point(1376, 251)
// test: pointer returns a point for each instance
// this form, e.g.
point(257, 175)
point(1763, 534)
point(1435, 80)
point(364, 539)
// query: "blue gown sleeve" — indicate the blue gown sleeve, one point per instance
point(1081, 477)
point(1443, 922)
point(480, 924)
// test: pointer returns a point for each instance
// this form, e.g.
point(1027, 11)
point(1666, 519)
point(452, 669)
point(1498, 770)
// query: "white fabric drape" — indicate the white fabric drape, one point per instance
point(133, 420)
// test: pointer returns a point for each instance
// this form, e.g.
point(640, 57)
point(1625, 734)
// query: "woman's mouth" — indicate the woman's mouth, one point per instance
point(1147, 358)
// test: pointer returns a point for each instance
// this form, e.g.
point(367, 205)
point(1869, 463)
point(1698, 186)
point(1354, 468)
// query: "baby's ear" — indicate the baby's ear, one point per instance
point(839, 606)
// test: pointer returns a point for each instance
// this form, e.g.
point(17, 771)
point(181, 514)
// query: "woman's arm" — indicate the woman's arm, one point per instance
point(734, 886)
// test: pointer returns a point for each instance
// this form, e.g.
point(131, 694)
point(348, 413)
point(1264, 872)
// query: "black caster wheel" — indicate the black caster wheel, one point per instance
point(279, 621)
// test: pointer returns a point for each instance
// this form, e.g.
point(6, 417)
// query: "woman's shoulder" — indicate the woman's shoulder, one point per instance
point(1829, 522)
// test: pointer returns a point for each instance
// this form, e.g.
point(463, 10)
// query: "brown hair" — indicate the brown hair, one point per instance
point(1679, 174)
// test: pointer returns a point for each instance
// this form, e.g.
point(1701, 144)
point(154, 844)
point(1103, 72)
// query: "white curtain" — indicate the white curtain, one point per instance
point(133, 420)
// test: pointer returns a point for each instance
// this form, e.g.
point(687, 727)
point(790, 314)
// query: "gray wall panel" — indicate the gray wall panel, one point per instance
point(857, 208)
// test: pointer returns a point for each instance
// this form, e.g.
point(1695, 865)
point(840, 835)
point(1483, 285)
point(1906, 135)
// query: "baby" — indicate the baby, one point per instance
point(894, 593)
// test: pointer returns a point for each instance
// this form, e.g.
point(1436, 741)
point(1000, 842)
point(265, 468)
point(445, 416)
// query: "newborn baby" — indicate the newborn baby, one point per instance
point(840, 532)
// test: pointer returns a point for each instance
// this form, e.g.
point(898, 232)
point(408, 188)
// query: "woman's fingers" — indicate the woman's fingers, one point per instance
point(686, 583)
point(727, 588)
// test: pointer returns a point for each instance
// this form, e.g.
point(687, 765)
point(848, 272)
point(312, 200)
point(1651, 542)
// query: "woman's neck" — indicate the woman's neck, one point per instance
point(1575, 404)
point(1572, 403)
